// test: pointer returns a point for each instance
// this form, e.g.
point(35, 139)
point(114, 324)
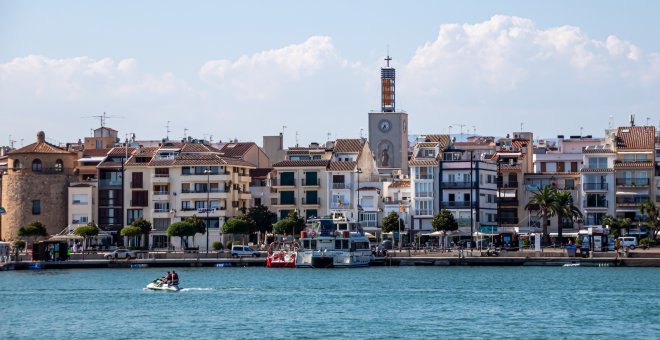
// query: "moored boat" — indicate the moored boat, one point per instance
point(333, 242)
point(282, 255)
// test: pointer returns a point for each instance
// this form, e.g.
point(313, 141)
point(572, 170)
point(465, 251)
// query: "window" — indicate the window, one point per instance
point(98, 144)
point(569, 184)
point(80, 199)
point(424, 172)
point(466, 197)
point(36, 207)
point(424, 189)
point(423, 207)
point(132, 215)
point(339, 201)
point(574, 166)
point(561, 167)
point(36, 165)
point(140, 198)
point(287, 197)
point(136, 181)
point(59, 165)
point(451, 197)
point(257, 201)
point(595, 218)
point(160, 207)
point(79, 219)
point(185, 206)
point(214, 222)
point(17, 164)
point(550, 167)
point(598, 162)
point(161, 223)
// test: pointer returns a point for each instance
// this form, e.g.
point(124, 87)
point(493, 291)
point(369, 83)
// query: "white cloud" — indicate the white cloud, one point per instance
point(264, 74)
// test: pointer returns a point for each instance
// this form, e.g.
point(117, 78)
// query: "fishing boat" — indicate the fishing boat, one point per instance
point(282, 254)
point(333, 242)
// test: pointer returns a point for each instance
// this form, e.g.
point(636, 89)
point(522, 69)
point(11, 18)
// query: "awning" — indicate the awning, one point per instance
point(369, 235)
point(564, 234)
point(435, 233)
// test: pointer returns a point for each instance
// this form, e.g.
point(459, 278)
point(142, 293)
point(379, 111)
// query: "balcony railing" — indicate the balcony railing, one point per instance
point(509, 220)
point(508, 201)
point(315, 201)
point(203, 174)
point(632, 182)
point(424, 212)
point(314, 182)
point(202, 191)
point(161, 192)
point(500, 184)
point(424, 194)
point(427, 176)
point(596, 204)
point(162, 210)
point(335, 205)
point(104, 183)
point(161, 175)
point(594, 186)
point(341, 186)
point(457, 204)
point(458, 185)
point(283, 183)
point(636, 200)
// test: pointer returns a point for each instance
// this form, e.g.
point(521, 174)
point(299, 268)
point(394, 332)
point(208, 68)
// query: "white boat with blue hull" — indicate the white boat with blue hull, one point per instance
point(333, 242)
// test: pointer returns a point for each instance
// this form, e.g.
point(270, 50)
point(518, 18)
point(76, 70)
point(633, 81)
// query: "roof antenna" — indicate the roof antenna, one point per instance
point(648, 119)
point(296, 138)
point(185, 133)
point(521, 126)
point(361, 131)
point(167, 127)
point(610, 124)
point(632, 120)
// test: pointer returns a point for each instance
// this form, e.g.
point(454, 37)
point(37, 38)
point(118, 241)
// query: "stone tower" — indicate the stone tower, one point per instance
point(388, 129)
point(35, 187)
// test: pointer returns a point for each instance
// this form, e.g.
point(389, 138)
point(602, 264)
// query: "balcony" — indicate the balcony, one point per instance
point(595, 204)
point(594, 186)
point(161, 210)
point(343, 206)
point(424, 194)
point(341, 186)
point(277, 202)
point(464, 222)
point(458, 185)
point(427, 176)
point(161, 193)
point(424, 212)
point(160, 178)
point(457, 205)
point(631, 201)
point(508, 201)
point(632, 182)
point(508, 220)
point(278, 182)
point(311, 183)
point(507, 185)
point(316, 201)
point(107, 183)
point(214, 177)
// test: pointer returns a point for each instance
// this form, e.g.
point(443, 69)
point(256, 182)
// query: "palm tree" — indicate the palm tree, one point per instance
point(653, 213)
point(545, 201)
point(565, 210)
point(615, 224)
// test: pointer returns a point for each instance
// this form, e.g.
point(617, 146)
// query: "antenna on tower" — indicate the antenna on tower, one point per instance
point(361, 131)
point(11, 142)
point(521, 126)
point(632, 120)
point(185, 133)
point(167, 130)
point(610, 123)
point(103, 117)
point(328, 136)
point(296, 138)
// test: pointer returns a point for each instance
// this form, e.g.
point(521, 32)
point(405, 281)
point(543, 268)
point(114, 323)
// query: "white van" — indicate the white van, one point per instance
point(238, 250)
point(628, 241)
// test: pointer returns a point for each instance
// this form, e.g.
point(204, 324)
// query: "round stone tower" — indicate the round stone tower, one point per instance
point(35, 187)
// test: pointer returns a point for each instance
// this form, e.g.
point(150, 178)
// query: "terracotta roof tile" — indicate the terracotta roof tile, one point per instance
point(295, 164)
point(592, 150)
point(634, 165)
point(443, 140)
point(400, 184)
point(348, 146)
point(342, 166)
point(260, 173)
point(423, 162)
point(427, 144)
point(635, 137)
point(237, 149)
point(120, 150)
point(95, 152)
point(39, 147)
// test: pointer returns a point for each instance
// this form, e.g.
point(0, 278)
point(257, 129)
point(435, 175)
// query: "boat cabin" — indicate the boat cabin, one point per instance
point(333, 234)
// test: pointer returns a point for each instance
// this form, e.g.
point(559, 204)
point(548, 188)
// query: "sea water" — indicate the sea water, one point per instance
point(366, 303)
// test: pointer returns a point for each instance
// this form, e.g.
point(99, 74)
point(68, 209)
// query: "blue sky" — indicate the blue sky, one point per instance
point(243, 69)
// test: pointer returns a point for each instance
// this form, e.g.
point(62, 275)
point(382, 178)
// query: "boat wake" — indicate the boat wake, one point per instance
point(196, 289)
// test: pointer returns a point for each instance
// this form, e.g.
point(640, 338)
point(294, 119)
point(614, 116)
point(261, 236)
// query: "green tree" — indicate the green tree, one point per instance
point(565, 210)
point(131, 232)
point(545, 201)
point(86, 232)
point(145, 227)
point(615, 224)
point(181, 229)
point(444, 221)
point(392, 222)
point(237, 225)
point(290, 224)
point(198, 223)
point(32, 231)
point(653, 215)
point(262, 218)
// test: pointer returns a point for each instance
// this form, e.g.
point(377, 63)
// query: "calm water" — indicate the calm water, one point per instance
point(382, 302)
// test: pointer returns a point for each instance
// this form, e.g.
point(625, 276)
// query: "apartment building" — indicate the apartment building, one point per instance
point(557, 165)
point(175, 181)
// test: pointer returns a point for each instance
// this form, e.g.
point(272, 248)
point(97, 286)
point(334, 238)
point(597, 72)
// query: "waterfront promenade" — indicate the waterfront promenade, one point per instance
point(407, 257)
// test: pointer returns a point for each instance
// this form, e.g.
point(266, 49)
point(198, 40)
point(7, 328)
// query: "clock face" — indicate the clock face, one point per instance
point(384, 125)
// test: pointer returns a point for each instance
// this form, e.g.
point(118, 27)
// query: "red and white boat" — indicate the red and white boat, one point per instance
point(282, 255)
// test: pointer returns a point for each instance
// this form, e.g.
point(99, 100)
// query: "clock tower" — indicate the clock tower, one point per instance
point(388, 129)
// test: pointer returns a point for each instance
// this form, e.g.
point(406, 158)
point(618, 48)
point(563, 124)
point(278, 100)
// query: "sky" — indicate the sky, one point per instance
point(310, 69)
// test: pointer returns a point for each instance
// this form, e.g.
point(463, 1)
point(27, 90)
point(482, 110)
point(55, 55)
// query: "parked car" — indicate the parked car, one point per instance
point(387, 244)
point(628, 241)
point(238, 251)
point(120, 254)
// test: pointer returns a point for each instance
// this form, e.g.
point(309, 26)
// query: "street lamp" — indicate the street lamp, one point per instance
point(358, 171)
point(208, 192)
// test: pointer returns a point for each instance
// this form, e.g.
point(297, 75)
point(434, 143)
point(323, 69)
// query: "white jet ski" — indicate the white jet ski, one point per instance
point(159, 285)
